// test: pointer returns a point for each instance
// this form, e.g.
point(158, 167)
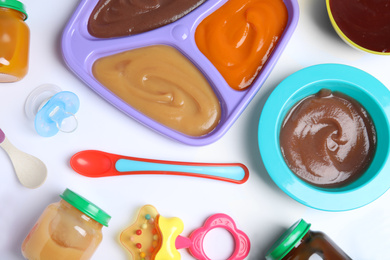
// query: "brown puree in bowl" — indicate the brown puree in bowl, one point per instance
point(365, 22)
point(328, 139)
point(114, 18)
point(164, 85)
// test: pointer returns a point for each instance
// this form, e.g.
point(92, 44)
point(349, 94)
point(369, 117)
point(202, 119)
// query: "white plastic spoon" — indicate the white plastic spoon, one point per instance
point(30, 170)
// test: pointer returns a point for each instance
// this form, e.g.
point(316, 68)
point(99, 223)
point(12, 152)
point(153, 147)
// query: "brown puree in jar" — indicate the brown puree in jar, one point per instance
point(161, 83)
point(328, 139)
point(316, 245)
point(114, 18)
point(299, 242)
point(365, 22)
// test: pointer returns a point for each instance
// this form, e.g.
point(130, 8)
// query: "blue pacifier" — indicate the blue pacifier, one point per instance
point(52, 110)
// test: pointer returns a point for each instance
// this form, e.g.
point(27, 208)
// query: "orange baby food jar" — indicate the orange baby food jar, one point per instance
point(68, 229)
point(14, 41)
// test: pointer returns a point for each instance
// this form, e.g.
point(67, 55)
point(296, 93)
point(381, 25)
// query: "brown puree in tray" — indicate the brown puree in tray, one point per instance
point(161, 83)
point(114, 18)
point(365, 22)
point(328, 139)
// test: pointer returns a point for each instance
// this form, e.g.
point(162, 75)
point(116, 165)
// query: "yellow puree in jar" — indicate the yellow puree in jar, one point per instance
point(62, 233)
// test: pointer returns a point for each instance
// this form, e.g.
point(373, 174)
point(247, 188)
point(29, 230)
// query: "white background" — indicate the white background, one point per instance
point(258, 207)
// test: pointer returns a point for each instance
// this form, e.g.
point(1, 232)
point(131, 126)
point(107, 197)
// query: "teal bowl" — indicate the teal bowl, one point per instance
point(355, 83)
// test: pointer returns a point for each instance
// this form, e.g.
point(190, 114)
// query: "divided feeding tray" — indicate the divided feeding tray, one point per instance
point(81, 50)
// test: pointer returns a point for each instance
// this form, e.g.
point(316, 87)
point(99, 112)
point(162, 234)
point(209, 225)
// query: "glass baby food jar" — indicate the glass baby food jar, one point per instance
point(68, 229)
point(300, 243)
point(14, 41)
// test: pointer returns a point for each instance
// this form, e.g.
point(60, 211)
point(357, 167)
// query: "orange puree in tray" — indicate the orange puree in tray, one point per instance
point(239, 37)
point(164, 85)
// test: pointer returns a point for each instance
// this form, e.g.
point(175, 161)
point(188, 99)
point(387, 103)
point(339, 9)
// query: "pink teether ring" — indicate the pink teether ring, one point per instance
point(155, 237)
point(241, 240)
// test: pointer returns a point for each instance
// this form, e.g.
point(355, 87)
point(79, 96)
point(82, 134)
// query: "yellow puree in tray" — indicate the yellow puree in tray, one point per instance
point(161, 83)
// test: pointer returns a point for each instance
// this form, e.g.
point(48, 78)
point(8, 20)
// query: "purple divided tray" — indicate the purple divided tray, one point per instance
point(81, 50)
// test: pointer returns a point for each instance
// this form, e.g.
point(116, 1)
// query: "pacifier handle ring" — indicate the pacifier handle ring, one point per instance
point(71, 130)
point(241, 240)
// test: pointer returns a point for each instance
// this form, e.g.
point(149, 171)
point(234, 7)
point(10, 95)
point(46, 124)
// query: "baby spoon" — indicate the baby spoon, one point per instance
point(30, 171)
point(93, 163)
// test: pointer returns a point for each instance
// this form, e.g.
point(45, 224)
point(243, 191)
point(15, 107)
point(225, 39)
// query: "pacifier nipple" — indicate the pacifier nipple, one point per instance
point(52, 110)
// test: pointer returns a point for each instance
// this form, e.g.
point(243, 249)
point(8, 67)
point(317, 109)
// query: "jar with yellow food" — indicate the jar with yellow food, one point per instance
point(68, 229)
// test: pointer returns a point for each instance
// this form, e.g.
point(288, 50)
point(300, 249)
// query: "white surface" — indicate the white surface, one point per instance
point(258, 207)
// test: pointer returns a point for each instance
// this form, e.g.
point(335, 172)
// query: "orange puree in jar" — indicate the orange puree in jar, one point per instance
point(161, 83)
point(239, 37)
point(14, 41)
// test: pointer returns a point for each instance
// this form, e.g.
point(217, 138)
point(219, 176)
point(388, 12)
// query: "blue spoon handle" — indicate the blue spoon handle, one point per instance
point(231, 172)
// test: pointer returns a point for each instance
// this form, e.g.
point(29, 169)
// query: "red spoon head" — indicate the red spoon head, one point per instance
point(92, 163)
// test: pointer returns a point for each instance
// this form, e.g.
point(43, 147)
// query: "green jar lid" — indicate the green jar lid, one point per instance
point(14, 4)
point(86, 207)
point(288, 240)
